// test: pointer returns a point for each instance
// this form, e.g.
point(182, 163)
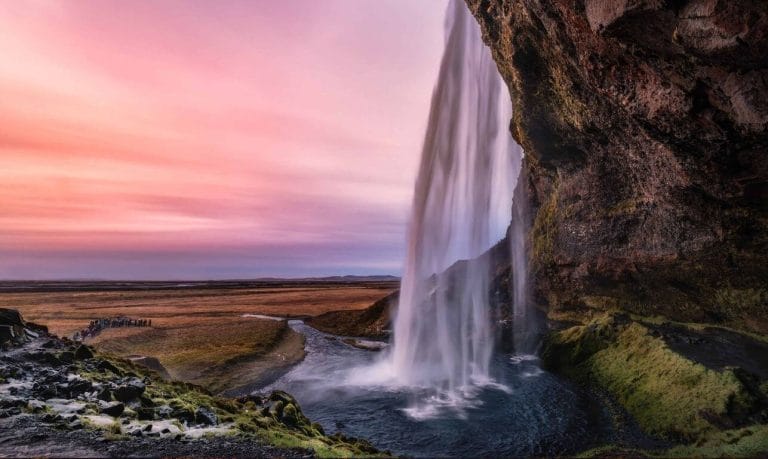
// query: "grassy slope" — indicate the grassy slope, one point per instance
point(669, 395)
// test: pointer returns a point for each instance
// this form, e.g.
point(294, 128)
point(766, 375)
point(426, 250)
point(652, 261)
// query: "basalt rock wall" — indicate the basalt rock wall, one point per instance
point(645, 125)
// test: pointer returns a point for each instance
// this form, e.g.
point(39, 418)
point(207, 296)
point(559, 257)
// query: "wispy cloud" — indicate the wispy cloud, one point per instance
point(173, 139)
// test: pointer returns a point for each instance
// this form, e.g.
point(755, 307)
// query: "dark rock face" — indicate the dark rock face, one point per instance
point(645, 125)
point(83, 352)
point(206, 416)
point(130, 390)
point(113, 409)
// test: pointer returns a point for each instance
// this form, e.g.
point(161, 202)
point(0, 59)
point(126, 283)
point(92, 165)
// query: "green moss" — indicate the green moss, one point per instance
point(322, 446)
point(669, 395)
point(284, 426)
point(746, 442)
point(611, 451)
point(544, 230)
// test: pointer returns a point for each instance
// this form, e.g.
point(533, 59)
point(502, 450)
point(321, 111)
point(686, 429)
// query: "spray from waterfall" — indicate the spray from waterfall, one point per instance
point(443, 335)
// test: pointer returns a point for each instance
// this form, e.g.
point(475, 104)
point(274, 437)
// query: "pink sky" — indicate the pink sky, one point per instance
point(198, 139)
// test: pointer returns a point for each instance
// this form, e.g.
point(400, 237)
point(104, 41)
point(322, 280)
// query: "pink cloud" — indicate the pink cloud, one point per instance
point(289, 131)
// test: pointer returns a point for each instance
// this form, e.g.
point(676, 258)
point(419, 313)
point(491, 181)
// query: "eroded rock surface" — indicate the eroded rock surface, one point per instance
point(646, 126)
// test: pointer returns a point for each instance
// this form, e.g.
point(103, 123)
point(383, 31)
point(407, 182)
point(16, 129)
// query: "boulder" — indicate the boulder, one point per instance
point(67, 356)
point(79, 386)
point(113, 409)
point(130, 390)
point(83, 352)
point(75, 425)
point(6, 334)
point(11, 317)
point(184, 415)
point(145, 414)
point(204, 415)
point(164, 411)
point(104, 394)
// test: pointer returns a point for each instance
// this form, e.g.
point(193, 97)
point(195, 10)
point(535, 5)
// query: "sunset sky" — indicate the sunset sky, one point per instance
point(193, 139)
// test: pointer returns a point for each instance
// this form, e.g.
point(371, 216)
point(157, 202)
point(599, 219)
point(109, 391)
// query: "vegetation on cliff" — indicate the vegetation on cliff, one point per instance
point(709, 411)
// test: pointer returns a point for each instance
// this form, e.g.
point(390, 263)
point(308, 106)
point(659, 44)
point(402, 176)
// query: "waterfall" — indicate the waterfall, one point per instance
point(443, 335)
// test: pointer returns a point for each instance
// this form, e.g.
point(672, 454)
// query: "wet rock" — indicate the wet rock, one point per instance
point(164, 411)
point(6, 334)
point(75, 425)
point(51, 417)
point(79, 386)
point(83, 352)
point(67, 357)
point(104, 394)
point(11, 317)
point(113, 409)
point(8, 412)
point(12, 402)
point(45, 390)
point(145, 414)
point(130, 390)
point(204, 415)
point(184, 415)
point(45, 358)
point(146, 402)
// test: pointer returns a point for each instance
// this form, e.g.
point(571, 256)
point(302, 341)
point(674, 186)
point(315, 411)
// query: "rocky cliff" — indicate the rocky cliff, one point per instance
point(645, 125)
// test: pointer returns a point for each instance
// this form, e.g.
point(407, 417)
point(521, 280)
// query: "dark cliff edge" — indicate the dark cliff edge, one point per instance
point(645, 127)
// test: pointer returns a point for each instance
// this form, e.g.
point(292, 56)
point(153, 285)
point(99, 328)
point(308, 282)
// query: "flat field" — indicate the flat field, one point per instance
point(198, 332)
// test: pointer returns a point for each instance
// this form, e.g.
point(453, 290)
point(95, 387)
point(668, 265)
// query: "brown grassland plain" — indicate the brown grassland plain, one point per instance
point(199, 334)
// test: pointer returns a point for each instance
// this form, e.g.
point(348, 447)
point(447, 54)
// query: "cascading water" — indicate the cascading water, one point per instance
point(442, 391)
point(443, 336)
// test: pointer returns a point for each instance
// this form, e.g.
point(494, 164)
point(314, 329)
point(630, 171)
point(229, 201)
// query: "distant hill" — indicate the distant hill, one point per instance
point(102, 285)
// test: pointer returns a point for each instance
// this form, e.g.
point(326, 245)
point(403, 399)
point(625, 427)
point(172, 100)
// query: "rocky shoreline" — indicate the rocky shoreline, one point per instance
point(61, 398)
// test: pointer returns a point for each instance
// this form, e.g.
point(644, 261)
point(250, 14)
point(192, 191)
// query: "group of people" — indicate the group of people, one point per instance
point(96, 326)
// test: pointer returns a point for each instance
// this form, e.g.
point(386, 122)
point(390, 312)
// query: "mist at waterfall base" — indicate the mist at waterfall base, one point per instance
point(440, 390)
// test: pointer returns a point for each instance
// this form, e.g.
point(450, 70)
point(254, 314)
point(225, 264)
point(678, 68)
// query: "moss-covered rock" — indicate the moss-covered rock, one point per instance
point(669, 395)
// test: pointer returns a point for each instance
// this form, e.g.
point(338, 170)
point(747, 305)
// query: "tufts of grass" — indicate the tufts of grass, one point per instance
point(544, 230)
